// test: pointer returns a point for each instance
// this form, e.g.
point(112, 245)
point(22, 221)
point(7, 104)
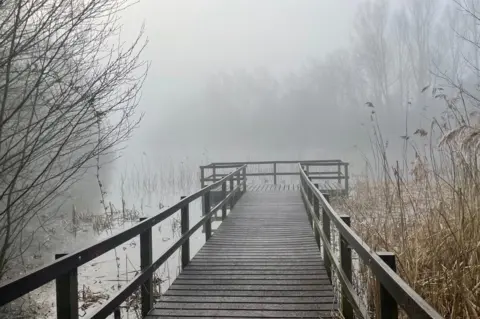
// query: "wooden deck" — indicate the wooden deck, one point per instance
point(262, 262)
point(273, 188)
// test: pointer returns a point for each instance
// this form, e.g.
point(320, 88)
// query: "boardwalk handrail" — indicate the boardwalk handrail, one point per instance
point(63, 268)
point(340, 175)
point(233, 164)
point(395, 289)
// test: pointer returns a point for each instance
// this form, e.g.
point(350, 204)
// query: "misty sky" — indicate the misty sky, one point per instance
point(190, 40)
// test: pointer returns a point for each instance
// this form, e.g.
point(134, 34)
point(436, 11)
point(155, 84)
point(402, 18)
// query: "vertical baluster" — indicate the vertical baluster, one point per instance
point(339, 173)
point(346, 264)
point(275, 173)
point(224, 195)
point(67, 293)
point(244, 179)
point(232, 198)
point(185, 227)
point(145, 261)
point(388, 308)
point(239, 190)
point(316, 210)
point(346, 179)
point(206, 209)
point(202, 176)
point(326, 231)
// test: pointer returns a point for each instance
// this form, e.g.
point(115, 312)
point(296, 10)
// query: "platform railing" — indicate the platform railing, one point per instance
point(319, 170)
point(64, 270)
point(392, 290)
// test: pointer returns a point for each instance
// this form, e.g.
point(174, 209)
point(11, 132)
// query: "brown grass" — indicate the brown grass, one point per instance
point(428, 214)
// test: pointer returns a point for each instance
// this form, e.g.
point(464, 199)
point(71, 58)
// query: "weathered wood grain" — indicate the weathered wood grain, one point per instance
point(261, 262)
point(214, 313)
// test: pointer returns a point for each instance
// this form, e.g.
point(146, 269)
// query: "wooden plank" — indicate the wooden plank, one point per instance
point(268, 272)
point(250, 277)
point(245, 306)
point(250, 293)
point(253, 287)
point(259, 258)
point(241, 282)
point(261, 255)
point(256, 267)
point(249, 299)
point(258, 249)
point(239, 313)
point(219, 248)
point(258, 255)
point(251, 265)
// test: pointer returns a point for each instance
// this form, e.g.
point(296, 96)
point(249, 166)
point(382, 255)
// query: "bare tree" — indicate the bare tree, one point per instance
point(68, 94)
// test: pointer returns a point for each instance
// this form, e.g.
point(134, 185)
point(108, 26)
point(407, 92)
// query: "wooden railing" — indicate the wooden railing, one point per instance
point(392, 290)
point(214, 171)
point(64, 269)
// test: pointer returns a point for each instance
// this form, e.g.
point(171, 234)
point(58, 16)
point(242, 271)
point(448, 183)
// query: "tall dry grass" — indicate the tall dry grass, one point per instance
point(428, 211)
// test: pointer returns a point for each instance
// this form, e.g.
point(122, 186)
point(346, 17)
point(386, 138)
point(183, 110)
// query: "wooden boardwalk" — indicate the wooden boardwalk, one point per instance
point(272, 187)
point(262, 262)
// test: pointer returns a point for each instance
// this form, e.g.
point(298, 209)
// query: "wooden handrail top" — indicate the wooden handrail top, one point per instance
point(309, 162)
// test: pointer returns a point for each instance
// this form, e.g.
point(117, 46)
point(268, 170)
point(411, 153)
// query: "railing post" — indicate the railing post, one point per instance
point(274, 173)
point(387, 308)
point(185, 227)
point(316, 210)
point(308, 200)
point(145, 261)
point(346, 178)
point(224, 195)
point(244, 179)
point(67, 293)
point(117, 314)
point(232, 199)
point(239, 185)
point(206, 209)
point(339, 174)
point(346, 263)
point(326, 231)
point(202, 176)
point(310, 193)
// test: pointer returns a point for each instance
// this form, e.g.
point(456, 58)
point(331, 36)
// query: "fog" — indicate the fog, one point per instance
point(192, 42)
point(237, 80)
